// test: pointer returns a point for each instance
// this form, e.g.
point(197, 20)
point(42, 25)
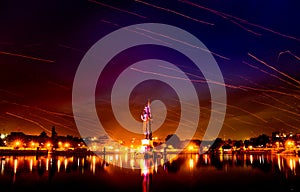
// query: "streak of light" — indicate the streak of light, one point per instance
point(26, 57)
point(183, 42)
point(203, 79)
point(10, 93)
point(192, 108)
point(250, 81)
point(279, 108)
point(271, 91)
point(191, 69)
point(270, 74)
point(119, 9)
point(246, 88)
point(33, 45)
point(273, 68)
point(292, 126)
point(241, 87)
point(54, 122)
point(175, 12)
point(243, 27)
point(187, 79)
point(137, 32)
point(279, 101)
point(29, 120)
point(245, 122)
point(59, 85)
point(164, 75)
point(222, 14)
point(243, 110)
point(39, 109)
point(71, 48)
point(225, 124)
point(295, 119)
point(289, 52)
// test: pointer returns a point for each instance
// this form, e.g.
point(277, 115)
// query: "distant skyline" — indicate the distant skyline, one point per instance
point(255, 43)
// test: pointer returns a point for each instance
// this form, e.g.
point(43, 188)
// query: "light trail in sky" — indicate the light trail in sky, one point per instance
point(289, 52)
point(279, 101)
point(224, 124)
point(246, 122)
point(134, 31)
point(278, 108)
point(243, 110)
point(183, 42)
point(39, 109)
point(187, 79)
point(203, 79)
point(175, 12)
point(243, 27)
point(119, 9)
point(71, 48)
point(26, 57)
point(55, 123)
point(241, 87)
point(252, 82)
point(270, 74)
point(287, 124)
point(273, 68)
point(225, 15)
point(293, 118)
point(10, 93)
point(29, 120)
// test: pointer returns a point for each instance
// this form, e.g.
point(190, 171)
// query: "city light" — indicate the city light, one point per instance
point(48, 144)
point(67, 145)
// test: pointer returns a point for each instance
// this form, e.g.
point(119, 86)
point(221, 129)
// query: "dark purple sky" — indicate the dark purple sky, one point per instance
point(257, 42)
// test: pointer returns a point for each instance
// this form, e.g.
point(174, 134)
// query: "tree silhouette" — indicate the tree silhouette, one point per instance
point(43, 134)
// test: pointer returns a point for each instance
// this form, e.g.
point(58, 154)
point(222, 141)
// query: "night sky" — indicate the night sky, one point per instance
point(255, 43)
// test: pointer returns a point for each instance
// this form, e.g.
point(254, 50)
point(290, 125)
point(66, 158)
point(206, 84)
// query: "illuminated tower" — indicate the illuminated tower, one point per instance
point(146, 117)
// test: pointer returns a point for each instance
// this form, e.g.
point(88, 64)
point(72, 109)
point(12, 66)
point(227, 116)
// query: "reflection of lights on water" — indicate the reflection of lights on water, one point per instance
point(31, 165)
point(221, 158)
point(279, 162)
point(78, 162)
point(47, 164)
point(66, 163)
point(15, 165)
point(234, 158)
point(155, 166)
point(205, 159)
point(2, 166)
point(251, 159)
point(259, 160)
point(58, 165)
point(263, 159)
point(226, 157)
point(292, 165)
point(191, 163)
point(94, 164)
point(82, 162)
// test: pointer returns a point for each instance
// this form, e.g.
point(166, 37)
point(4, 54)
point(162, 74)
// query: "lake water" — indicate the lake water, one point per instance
point(188, 172)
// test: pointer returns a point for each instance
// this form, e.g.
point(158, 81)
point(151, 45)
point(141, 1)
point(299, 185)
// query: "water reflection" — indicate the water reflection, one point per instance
point(286, 168)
